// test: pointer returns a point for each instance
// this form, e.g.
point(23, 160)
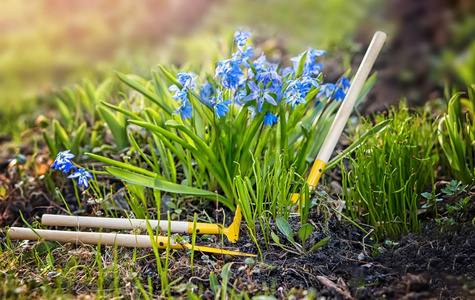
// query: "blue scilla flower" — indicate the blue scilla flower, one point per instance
point(260, 95)
point(62, 161)
point(82, 176)
point(185, 110)
point(207, 94)
point(326, 90)
point(311, 67)
point(260, 63)
point(222, 67)
point(241, 38)
point(219, 105)
point(220, 108)
point(229, 73)
point(334, 91)
point(180, 94)
point(298, 89)
point(270, 119)
point(270, 75)
point(243, 55)
point(339, 94)
point(344, 83)
point(187, 79)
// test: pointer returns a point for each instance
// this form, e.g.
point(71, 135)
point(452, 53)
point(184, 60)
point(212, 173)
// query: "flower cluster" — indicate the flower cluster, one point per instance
point(260, 85)
point(63, 163)
point(187, 82)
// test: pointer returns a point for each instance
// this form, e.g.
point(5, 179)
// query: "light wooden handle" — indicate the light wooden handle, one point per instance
point(114, 223)
point(347, 106)
point(93, 238)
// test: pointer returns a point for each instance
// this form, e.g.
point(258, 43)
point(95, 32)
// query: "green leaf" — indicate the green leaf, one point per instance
point(320, 244)
point(285, 228)
point(122, 165)
point(301, 65)
point(121, 110)
point(275, 238)
point(170, 77)
point(225, 278)
point(213, 283)
point(65, 113)
point(144, 91)
point(426, 195)
point(60, 135)
point(53, 149)
point(314, 91)
point(78, 138)
point(305, 231)
point(166, 186)
point(117, 128)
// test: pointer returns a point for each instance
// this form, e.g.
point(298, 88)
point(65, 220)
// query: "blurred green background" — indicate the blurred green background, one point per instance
point(46, 44)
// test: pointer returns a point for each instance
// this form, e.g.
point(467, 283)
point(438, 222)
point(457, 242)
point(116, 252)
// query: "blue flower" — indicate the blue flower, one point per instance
point(222, 67)
point(270, 75)
point(207, 94)
point(339, 94)
point(220, 108)
point(344, 83)
point(334, 91)
point(298, 89)
point(241, 38)
point(185, 110)
point(187, 79)
point(259, 95)
point(228, 71)
point(260, 63)
point(82, 176)
point(62, 161)
point(270, 119)
point(326, 89)
point(180, 94)
point(310, 66)
point(243, 55)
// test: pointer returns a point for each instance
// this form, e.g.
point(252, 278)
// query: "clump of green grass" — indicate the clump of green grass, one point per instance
point(390, 170)
point(456, 134)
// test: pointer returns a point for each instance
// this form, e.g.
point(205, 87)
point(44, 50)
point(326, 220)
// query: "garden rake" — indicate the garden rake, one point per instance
point(125, 240)
point(231, 232)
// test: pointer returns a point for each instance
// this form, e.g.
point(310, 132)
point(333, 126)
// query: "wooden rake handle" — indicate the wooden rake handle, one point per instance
point(346, 107)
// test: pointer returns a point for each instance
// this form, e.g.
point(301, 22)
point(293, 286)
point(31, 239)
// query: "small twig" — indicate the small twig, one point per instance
point(198, 278)
point(362, 261)
point(306, 283)
point(53, 203)
point(364, 249)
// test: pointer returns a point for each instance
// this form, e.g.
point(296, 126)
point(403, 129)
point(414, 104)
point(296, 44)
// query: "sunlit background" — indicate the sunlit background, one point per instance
point(47, 44)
